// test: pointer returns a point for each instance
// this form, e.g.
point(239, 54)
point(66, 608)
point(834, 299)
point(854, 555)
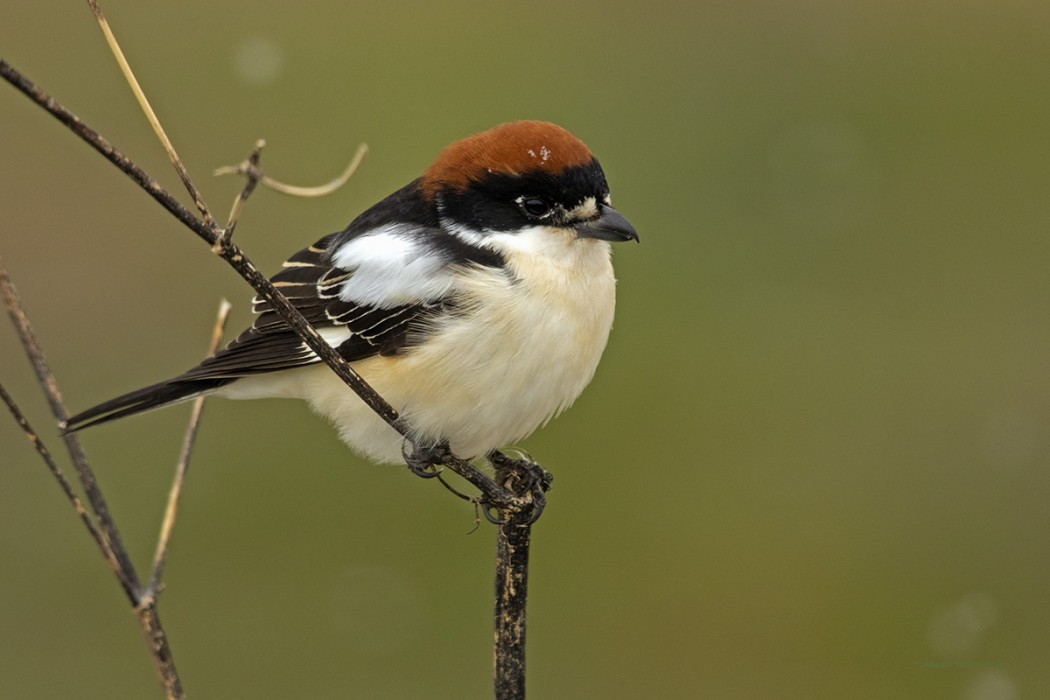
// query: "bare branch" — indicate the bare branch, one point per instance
point(147, 109)
point(160, 557)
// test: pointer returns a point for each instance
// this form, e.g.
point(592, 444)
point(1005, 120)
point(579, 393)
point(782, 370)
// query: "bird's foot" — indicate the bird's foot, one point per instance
point(426, 460)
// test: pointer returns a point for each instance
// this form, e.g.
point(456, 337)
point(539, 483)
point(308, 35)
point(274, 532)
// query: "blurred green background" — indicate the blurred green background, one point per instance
point(813, 463)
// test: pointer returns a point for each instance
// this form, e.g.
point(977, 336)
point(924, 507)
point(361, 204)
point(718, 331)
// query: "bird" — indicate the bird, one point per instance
point(477, 300)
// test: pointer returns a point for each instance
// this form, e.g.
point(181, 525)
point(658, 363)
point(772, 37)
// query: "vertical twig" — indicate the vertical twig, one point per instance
point(512, 577)
point(158, 646)
point(529, 482)
point(160, 556)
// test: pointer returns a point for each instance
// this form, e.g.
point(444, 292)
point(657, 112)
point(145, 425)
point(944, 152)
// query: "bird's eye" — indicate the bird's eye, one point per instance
point(535, 206)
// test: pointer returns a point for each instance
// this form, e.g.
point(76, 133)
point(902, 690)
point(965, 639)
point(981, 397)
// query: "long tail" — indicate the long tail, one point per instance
point(144, 399)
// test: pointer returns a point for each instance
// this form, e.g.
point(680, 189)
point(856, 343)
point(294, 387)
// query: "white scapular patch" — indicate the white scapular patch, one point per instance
point(391, 268)
point(334, 336)
point(464, 233)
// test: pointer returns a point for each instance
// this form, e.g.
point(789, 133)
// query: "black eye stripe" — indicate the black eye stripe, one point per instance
point(496, 201)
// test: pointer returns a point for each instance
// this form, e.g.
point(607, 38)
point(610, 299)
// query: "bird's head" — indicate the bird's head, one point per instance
point(523, 176)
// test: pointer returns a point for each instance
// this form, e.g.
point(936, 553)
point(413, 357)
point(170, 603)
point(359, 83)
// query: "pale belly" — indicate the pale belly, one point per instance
point(541, 338)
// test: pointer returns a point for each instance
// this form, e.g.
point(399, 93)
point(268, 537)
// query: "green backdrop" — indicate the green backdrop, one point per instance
point(813, 464)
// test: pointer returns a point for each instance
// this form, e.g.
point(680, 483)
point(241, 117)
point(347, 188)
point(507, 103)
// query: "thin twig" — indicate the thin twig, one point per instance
point(125, 570)
point(60, 477)
point(160, 557)
point(247, 167)
point(147, 109)
point(251, 169)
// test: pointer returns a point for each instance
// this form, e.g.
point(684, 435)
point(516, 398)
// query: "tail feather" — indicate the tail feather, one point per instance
point(144, 399)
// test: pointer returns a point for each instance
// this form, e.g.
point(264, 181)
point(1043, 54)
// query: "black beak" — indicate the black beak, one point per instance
point(609, 226)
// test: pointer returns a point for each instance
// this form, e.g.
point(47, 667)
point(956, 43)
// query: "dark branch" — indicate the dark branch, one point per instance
point(529, 482)
point(512, 570)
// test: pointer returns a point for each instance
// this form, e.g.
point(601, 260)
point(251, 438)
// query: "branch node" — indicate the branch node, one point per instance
point(250, 168)
point(147, 599)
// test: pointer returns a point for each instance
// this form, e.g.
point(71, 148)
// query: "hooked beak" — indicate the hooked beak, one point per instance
point(609, 226)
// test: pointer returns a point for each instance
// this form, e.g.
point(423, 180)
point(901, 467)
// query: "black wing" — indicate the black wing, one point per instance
point(312, 285)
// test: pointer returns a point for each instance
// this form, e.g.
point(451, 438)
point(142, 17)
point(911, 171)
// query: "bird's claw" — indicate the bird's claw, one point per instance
point(425, 460)
point(491, 513)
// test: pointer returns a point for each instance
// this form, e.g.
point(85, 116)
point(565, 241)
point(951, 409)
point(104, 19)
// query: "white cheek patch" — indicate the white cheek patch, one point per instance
point(542, 245)
point(391, 268)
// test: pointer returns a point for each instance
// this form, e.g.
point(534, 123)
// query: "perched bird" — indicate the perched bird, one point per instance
point(477, 300)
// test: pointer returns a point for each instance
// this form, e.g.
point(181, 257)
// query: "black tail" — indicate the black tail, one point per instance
point(153, 396)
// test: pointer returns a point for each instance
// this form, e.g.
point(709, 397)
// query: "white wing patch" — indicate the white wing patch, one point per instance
point(334, 336)
point(391, 267)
